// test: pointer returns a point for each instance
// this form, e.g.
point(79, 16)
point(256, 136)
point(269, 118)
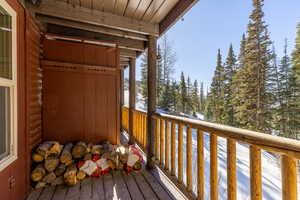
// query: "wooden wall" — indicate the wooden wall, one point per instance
point(81, 84)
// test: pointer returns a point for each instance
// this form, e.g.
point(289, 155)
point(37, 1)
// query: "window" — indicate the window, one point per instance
point(8, 85)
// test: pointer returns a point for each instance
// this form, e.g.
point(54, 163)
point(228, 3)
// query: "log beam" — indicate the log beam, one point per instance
point(132, 95)
point(151, 82)
point(64, 10)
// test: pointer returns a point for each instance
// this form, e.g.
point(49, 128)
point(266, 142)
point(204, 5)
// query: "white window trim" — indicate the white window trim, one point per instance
point(12, 84)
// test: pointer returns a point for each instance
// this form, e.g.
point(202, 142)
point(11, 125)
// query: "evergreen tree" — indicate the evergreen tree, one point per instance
point(195, 97)
point(166, 100)
point(189, 102)
point(217, 89)
point(183, 94)
point(168, 56)
point(230, 67)
point(295, 89)
point(251, 113)
point(202, 99)
point(174, 96)
point(159, 77)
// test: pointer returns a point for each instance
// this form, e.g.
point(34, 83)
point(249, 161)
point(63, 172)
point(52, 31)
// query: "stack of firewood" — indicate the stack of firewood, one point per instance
point(55, 164)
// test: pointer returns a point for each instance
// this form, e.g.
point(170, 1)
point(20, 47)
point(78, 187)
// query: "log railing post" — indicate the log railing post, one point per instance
point(189, 165)
point(255, 173)
point(231, 170)
point(200, 161)
point(213, 167)
point(289, 178)
point(180, 153)
point(173, 152)
point(151, 83)
point(132, 95)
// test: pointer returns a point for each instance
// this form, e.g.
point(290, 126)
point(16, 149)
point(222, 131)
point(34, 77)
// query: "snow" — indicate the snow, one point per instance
point(271, 171)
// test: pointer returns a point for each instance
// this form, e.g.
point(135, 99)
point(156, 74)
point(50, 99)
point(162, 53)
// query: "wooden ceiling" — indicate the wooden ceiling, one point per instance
point(147, 10)
point(127, 23)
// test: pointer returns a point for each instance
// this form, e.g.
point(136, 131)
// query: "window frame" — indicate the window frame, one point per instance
point(12, 84)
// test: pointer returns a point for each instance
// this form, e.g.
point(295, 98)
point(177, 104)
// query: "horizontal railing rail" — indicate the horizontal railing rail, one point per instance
point(169, 154)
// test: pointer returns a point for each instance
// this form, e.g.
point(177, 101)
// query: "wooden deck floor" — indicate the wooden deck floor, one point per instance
point(115, 186)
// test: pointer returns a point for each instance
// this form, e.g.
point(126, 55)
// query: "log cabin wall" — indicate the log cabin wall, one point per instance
point(81, 84)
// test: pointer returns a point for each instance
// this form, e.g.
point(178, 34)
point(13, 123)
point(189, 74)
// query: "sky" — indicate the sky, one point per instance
point(213, 24)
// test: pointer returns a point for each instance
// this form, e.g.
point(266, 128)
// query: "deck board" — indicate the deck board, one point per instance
point(132, 186)
point(120, 186)
point(47, 193)
point(109, 187)
point(148, 193)
point(60, 193)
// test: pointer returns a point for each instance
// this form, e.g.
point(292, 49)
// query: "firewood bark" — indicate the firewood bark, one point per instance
point(49, 178)
point(60, 170)
point(38, 173)
point(66, 155)
point(79, 150)
point(80, 175)
point(40, 184)
point(51, 163)
point(44, 148)
point(71, 175)
point(58, 181)
point(36, 157)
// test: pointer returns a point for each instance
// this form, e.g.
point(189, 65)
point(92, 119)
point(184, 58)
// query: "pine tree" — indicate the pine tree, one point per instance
point(230, 67)
point(144, 64)
point(253, 95)
point(195, 98)
point(183, 94)
point(295, 89)
point(284, 95)
point(166, 100)
point(202, 99)
point(174, 96)
point(189, 102)
point(217, 89)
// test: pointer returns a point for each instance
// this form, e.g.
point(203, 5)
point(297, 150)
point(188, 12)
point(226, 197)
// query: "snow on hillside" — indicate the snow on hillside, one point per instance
point(271, 171)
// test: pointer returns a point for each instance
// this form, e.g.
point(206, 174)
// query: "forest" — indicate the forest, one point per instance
point(252, 89)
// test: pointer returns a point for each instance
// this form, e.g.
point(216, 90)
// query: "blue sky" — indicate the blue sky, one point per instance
point(213, 24)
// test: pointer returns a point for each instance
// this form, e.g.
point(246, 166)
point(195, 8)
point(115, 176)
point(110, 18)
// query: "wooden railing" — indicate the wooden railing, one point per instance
point(169, 129)
point(139, 125)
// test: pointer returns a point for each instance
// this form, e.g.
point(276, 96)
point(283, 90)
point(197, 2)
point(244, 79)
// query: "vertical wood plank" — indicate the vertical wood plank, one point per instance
point(173, 146)
point(162, 141)
point(189, 168)
point(213, 167)
point(180, 153)
point(289, 178)
point(255, 173)
point(231, 169)
point(151, 82)
point(167, 147)
point(157, 141)
point(200, 158)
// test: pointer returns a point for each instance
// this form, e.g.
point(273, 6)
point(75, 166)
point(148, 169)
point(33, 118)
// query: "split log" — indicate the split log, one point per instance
point(51, 163)
point(54, 150)
point(81, 175)
point(49, 178)
point(88, 156)
point(71, 175)
point(79, 150)
point(60, 170)
point(36, 157)
point(66, 155)
point(44, 148)
point(38, 173)
point(97, 149)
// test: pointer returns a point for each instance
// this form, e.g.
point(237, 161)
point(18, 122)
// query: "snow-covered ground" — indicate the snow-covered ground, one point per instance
point(271, 171)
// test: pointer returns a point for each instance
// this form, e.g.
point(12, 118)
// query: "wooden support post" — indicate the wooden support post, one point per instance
point(180, 153)
point(213, 167)
point(157, 141)
point(189, 168)
point(289, 178)
point(151, 82)
point(162, 142)
point(173, 152)
point(167, 146)
point(122, 100)
point(231, 170)
point(200, 155)
point(255, 173)
point(132, 95)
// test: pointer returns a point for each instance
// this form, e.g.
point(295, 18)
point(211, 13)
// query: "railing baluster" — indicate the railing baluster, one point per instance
point(289, 178)
point(189, 147)
point(255, 173)
point(213, 167)
point(157, 140)
point(231, 169)
point(173, 144)
point(162, 141)
point(200, 156)
point(167, 147)
point(145, 128)
point(180, 153)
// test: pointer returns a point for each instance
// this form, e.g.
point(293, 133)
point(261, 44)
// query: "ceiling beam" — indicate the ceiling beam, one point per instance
point(80, 14)
point(129, 44)
point(91, 27)
point(128, 53)
point(175, 14)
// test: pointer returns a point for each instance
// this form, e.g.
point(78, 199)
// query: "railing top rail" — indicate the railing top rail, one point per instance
point(265, 141)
